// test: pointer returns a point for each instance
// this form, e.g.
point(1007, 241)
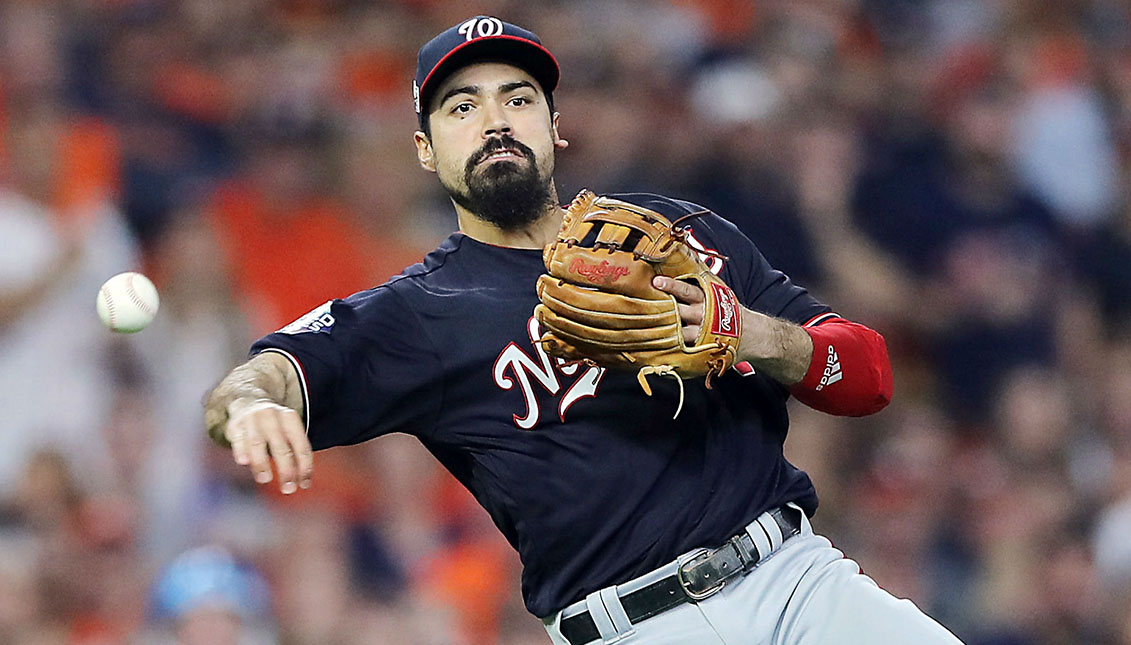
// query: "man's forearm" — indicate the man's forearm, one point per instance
point(267, 376)
point(778, 348)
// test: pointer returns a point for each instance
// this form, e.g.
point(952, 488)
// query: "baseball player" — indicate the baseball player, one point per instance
point(533, 368)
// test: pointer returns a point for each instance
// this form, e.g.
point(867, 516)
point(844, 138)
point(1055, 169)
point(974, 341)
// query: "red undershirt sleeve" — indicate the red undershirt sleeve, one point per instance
point(850, 374)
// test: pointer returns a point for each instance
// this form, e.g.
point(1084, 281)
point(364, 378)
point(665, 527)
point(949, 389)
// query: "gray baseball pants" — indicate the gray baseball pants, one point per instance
point(805, 592)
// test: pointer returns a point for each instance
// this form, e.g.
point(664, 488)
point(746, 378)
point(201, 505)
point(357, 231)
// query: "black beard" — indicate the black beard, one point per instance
point(507, 194)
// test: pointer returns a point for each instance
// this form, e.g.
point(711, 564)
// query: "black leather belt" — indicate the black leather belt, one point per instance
point(699, 576)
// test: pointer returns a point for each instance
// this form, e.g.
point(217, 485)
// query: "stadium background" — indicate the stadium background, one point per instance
point(951, 172)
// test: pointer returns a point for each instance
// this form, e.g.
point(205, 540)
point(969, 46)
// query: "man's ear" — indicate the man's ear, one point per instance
point(559, 143)
point(424, 153)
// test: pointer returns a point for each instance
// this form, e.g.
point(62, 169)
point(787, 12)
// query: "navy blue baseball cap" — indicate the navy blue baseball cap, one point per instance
point(480, 38)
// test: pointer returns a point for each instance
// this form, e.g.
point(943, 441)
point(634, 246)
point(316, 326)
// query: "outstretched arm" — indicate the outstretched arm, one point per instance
point(257, 412)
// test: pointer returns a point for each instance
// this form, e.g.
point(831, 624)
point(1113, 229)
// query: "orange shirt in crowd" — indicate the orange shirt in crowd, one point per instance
point(286, 263)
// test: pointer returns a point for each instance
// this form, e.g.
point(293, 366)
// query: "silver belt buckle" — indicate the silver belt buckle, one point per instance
point(695, 557)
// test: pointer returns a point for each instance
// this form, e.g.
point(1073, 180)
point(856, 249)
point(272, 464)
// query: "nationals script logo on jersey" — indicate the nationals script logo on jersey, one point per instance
point(546, 372)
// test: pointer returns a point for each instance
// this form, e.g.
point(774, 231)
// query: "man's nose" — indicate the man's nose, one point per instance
point(497, 123)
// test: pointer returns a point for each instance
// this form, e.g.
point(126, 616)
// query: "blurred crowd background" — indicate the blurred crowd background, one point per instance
point(953, 173)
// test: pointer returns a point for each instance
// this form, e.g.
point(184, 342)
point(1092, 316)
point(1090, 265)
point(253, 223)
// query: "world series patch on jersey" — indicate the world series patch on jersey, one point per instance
point(448, 352)
point(317, 320)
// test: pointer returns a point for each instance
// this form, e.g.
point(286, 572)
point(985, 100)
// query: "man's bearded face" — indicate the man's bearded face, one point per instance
point(502, 184)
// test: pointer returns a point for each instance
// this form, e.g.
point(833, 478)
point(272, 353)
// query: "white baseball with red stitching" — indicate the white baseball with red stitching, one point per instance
point(127, 302)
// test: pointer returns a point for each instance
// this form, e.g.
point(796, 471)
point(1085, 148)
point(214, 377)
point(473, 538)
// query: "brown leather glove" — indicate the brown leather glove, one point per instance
point(598, 302)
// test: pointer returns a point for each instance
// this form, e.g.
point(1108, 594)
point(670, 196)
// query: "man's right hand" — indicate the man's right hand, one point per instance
point(262, 430)
point(257, 412)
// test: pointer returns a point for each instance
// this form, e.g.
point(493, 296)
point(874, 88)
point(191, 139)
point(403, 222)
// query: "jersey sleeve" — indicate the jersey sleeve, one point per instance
point(366, 367)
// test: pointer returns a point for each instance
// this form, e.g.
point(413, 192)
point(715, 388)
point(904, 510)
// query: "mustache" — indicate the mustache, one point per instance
point(505, 142)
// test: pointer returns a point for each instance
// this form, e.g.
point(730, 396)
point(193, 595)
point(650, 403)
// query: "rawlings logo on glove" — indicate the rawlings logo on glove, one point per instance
point(603, 273)
point(598, 304)
point(727, 321)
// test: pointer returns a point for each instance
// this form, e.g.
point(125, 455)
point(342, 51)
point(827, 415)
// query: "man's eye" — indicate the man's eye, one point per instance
point(462, 108)
point(520, 100)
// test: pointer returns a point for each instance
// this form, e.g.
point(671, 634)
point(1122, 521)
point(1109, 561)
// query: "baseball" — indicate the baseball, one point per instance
point(127, 302)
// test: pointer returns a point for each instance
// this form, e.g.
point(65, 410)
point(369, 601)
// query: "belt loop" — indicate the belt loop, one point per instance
point(601, 617)
point(611, 599)
point(770, 525)
point(806, 527)
point(761, 540)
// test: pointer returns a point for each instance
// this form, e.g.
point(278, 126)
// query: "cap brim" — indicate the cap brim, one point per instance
point(520, 52)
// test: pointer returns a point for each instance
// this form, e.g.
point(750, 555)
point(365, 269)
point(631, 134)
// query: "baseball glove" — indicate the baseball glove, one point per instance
point(598, 304)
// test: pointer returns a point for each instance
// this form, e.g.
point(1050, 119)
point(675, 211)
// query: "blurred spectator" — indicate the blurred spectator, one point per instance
point(54, 377)
point(953, 211)
point(200, 330)
point(291, 246)
point(210, 599)
point(1065, 154)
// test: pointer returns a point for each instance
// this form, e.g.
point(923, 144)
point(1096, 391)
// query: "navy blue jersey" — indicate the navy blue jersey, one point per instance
point(591, 480)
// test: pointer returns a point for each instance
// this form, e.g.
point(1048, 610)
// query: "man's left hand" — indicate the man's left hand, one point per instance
point(690, 301)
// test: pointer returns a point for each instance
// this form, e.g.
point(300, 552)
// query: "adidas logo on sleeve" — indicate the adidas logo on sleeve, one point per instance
point(832, 372)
